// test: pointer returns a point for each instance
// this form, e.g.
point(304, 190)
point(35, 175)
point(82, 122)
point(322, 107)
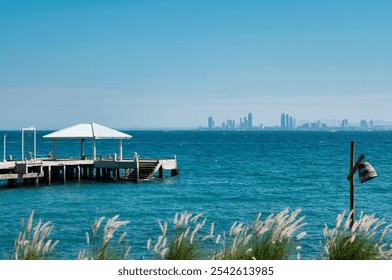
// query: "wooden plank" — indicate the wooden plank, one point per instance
point(7, 165)
point(8, 176)
point(32, 175)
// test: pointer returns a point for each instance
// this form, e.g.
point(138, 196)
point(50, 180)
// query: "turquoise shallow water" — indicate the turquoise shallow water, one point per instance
point(228, 176)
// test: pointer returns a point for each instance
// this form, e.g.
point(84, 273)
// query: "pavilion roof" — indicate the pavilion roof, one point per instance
point(88, 131)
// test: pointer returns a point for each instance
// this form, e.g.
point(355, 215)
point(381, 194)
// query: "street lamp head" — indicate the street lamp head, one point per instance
point(366, 172)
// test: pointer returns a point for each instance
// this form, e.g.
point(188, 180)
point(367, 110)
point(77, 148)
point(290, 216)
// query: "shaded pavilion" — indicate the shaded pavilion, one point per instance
point(91, 131)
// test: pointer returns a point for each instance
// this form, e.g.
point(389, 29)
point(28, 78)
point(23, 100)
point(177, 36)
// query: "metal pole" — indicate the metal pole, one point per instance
point(54, 148)
point(120, 149)
point(352, 190)
point(22, 144)
point(5, 145)
point(94, 150)
point(35, 143)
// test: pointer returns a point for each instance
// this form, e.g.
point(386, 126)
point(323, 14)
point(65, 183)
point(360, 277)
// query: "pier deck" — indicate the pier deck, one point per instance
point(45, 170)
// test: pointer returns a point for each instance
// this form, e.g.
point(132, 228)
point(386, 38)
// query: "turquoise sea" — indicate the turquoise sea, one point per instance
point(226, 175)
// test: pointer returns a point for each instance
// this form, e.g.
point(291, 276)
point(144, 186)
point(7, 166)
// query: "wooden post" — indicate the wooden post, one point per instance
point(64, 174)
point(49, 175)
point(350, 177)
point(161, 172)
point(97, 173)
point(137, 168)
point(78, 170)
point(91, 172)
point(352, 190)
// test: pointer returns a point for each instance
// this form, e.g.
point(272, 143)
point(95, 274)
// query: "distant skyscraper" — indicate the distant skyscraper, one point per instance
point(245, 122)
point(345, 123)
point(287, 121)
point(291, 123)
point(250, 120)
point(364, 124)
point(210, 123)
point(283, 121)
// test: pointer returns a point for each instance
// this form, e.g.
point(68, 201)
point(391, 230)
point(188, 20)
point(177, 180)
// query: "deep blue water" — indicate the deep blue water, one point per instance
point(229, 176)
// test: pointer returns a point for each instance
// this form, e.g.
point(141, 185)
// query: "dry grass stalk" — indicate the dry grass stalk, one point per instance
point(269, 239)
point(100, 247)
point(364, 241)
point(32, 244)
point(183, 242)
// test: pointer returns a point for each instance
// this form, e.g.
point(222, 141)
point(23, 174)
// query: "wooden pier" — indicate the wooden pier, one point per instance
point(45, 171)
point(113, 167)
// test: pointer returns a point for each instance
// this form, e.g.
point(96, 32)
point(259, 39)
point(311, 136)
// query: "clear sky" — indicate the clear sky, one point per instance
point(152, 64)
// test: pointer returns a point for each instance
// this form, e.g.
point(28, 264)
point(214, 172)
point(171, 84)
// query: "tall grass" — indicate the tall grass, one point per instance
point(277, 237)
point(272, 239)
point(365, 241)
point(182, 243)
point(100, 245)
point(33, 243)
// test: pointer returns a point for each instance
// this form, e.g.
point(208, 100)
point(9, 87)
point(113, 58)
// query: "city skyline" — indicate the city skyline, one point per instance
point(245, 123)
point(152, 64)
point(288, 122)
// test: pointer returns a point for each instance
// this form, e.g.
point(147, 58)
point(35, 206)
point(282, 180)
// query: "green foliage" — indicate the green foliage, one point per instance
point(182, 250)
point(269, 240)
point(185, 243)
point(32, 244)
point(363, 242)
point(275, 238)
point(100, 245)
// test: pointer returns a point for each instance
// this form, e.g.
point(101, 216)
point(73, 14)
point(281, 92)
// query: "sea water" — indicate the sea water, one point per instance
point(226, 175)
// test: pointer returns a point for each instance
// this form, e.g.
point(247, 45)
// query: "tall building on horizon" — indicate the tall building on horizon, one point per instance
point(345, 123)
point(364, 124)
point(210, 123)
point(283, 121)
point(287, 121)
point(250, 120)
point(371, 124)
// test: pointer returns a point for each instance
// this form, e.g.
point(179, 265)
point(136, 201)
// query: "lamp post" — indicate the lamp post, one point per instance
point(366, 173)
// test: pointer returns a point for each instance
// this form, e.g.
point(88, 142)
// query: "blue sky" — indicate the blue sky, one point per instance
point(152, 64)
